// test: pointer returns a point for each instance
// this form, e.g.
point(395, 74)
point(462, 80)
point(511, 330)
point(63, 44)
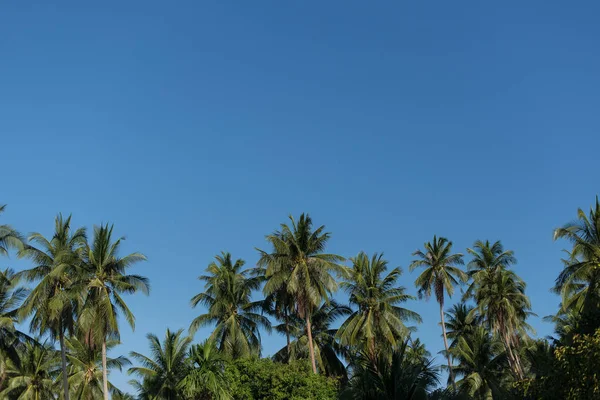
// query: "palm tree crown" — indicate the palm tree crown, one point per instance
point(11, 339)
point(164, 371)
point(378, 318)
point(9, 238)
point(85, 374)
point(579, 281)
point(480, 365)
point(227, 297)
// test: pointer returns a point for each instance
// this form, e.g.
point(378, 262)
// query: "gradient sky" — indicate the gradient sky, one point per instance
point(198, 126)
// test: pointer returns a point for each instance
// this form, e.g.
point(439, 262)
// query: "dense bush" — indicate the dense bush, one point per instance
point(575, 374)
point(253, 379)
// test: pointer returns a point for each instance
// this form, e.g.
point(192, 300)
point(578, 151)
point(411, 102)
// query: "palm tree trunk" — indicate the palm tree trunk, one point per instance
point(311, 348)
point(372, 354)
point(104, 371)
point(512, 358)
point(517, 358)
point(287, 335)
point(2, 379)
point(446, 346)
point(63, 356)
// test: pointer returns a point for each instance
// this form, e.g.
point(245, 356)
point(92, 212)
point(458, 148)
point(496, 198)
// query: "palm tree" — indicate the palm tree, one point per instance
point(480, 365)
point(278, 302)
point(227, 297)
point(299, 263)
point(280, 305)
point(106, 280)
point(440, 275)
point(327, 349)
point(503, 305)
point(206, 379)
point(579, 282)
point(461, 321)
point(500, 297)
point(397, 377)
point(9, 238)
point(33, 377)
point(163, 372)
point(378, 318)
point(85, 373)
point(10, 338)
point(53, 303)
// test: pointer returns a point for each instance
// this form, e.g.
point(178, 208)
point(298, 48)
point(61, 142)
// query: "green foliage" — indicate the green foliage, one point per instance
point(398, 375)
point(34, 376)
point(85, 371)
point(206, 378)
point(579, 364)
point(263, 379)
point(481, 365)
point(10, 338)
point(570, 373)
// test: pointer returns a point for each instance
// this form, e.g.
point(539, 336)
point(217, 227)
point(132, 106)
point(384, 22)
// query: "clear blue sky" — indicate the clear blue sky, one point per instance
point(198, 127)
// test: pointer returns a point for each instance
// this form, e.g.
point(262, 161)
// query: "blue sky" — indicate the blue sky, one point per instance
point(198, 127)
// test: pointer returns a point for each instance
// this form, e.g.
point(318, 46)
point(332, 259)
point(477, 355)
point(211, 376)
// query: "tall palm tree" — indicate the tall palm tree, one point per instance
point(441, 274)
point(85, 372)
point(500, 296)
point(162, 373)
point(278, 302)
point(327, 349)
point(227, 297)
point(206, 379)
point(34, 376)
point(376, 295)
point(10, 338)
point(53, 303)
point(107, 279)
point(480, 365)
point(9, 238)
point(503, 305)
point(299, 263)
point(579, 281)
